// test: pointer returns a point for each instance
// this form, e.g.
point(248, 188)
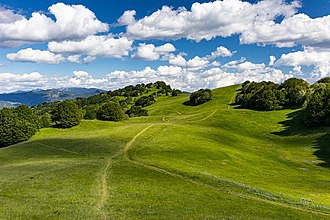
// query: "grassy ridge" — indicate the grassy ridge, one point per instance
point(208, 161)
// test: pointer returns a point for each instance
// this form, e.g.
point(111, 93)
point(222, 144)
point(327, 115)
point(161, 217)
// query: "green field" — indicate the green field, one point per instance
point(212, 161)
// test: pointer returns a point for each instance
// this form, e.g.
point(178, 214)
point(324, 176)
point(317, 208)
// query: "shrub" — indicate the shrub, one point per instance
point(111, 111)
point(201, 96)
point(66, 114)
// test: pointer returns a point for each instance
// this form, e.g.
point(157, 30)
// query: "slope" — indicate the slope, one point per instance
point(182, 162)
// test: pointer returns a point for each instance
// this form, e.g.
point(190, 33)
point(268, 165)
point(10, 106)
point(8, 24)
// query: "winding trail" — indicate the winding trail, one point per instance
point(104, 188)
point(103, 182)
point(200, 183)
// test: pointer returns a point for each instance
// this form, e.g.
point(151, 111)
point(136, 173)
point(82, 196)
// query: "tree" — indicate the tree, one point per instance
point(201, 96)
point(317, 111)
point(66, 114)
point(17, 124)
point(145, 101)
point(136, 111)
point(324, 80)
point(46, 120)
point(111, 111)
point(296, 90)
point(176, 92)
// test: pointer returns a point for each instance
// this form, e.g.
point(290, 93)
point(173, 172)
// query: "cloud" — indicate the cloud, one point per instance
point(272, 60)
point(178, 77)
point(296, 29)
point(105, 46)
point(319, 58)
point(255, 23)
point(150, 52)
point(221, 52)
point(127, 18)
point(10, 82)
point(205, 20)
point(80, 74)
point(80, 59)
point(36, 56)
point(309, 56)
point(71, 22)
point(197, 63)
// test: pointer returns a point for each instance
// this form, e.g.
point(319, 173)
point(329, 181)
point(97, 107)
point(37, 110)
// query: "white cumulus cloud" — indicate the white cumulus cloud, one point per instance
point(205, 20)
point(150, 52)
point(71, 22)
point(316, 57)
point(106, 46)
point(36, 56)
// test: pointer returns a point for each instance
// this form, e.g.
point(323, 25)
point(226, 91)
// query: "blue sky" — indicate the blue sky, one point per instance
point(189, 44)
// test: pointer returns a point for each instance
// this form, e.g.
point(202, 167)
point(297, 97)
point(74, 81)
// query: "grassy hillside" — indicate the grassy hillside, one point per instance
point(182, 162)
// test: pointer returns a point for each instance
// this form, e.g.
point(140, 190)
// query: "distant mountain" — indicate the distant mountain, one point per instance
point(38, 96)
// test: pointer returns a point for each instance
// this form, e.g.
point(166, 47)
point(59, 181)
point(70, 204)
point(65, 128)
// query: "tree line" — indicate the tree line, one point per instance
point(21, 123)
point(292, 93)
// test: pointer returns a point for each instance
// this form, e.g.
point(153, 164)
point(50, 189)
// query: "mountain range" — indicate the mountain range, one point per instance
point(38, 96)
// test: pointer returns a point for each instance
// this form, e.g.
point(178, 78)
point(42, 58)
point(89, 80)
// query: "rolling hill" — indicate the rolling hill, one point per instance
point(212, 161)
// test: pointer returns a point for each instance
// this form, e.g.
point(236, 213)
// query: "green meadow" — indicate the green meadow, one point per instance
point(212, 161)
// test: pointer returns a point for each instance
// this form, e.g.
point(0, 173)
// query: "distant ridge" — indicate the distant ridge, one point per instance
point(38, 96)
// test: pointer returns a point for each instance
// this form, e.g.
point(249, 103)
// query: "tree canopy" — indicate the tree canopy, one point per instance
point(66, 114)
point(111, 111)
point(201, 96)
point(17, 124)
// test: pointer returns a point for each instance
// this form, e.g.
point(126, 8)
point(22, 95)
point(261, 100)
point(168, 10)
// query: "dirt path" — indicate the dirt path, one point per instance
point(103, 185)
point(128, 145)
point(104, 193)
point(232, 193)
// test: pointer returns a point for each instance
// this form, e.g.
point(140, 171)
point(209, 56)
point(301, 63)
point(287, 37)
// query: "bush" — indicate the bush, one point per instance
point(17, 125)
point(136, 111)
point(201, 96)
point(111, 111)
point(66, 114)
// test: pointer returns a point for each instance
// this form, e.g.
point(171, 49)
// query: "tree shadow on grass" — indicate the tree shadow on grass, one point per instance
point(322, 146)
point(187, 103)
point(294, 126)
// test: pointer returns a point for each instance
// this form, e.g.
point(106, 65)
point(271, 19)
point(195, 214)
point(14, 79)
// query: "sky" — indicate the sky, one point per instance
point(188, 44)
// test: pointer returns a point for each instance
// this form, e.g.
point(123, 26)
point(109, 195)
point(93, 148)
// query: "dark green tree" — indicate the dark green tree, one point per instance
point(296, 91)
point(17, 124)
point(66, 114)
point(317, 111)
point(145, 101)
point(46, 120)
point(201, 96)
point(136, 111)
point(111, 111)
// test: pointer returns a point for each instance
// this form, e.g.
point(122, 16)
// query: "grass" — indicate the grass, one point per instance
point(182, 162)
